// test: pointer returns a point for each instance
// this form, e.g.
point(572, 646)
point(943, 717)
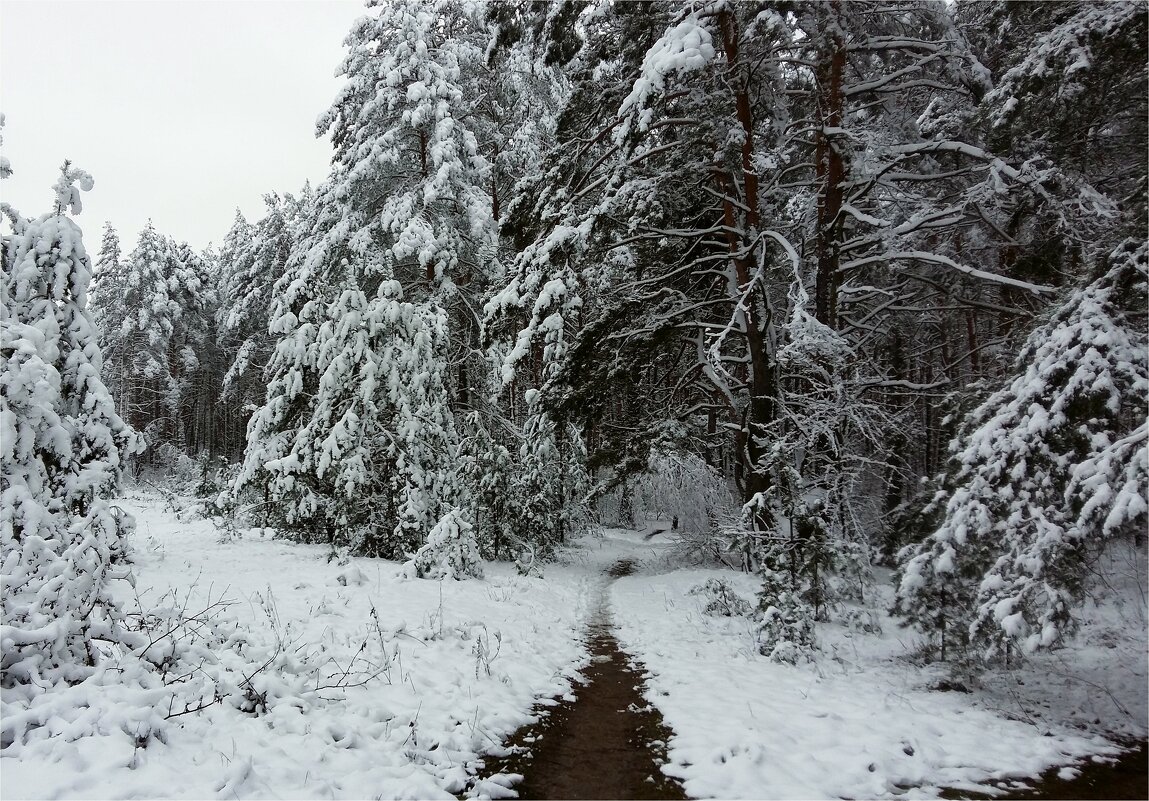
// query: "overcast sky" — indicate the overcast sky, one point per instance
point(182, 110)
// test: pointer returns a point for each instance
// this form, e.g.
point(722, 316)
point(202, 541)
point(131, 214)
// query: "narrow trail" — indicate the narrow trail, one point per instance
point(608, 743)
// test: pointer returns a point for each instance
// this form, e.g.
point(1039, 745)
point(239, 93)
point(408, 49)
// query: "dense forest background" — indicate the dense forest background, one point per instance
point(826, 285)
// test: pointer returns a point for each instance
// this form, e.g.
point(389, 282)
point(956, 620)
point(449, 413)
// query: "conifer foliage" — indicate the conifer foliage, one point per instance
point(356, 445)
point(1044, 471)
point(252, 258)
point(450, 550)
point(408, 173)
point(63, 446)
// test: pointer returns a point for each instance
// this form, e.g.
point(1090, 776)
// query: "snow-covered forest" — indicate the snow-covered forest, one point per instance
point(802, 347)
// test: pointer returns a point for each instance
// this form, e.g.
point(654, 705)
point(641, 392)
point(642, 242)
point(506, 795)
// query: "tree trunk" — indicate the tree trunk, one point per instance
point(761, 409)
point(830, 170)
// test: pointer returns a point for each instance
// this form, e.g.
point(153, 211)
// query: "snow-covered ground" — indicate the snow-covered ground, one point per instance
point(467, 661)
point(460, 665)
point(862, 722)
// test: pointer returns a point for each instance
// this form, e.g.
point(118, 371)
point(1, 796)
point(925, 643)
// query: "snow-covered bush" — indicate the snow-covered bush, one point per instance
point(450, 550)
point(169, 468)
point(721, 599)
point(801, 550)
point(526, 562)
point(1043, 472)
point(785, 620)
point(789, 652)
point(862, 620)
point(786, 630)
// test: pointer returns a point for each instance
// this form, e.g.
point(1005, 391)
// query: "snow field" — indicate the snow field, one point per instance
point(464, 663)
point(858, 724)
point(455, 668)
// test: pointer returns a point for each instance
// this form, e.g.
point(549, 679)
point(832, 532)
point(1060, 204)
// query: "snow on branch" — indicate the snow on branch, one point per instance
point(1066, 49)
point(945, 261)
point(67, 194)
point(5, 164)
point(684, 48)
point(1044, 471)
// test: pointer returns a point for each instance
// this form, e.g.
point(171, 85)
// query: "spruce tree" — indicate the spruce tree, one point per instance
point(356, 445)
point(1044, 472)
point(63, 446)
point(109, 313)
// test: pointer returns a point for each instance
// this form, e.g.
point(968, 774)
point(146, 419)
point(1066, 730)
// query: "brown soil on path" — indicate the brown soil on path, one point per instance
point(606, 744)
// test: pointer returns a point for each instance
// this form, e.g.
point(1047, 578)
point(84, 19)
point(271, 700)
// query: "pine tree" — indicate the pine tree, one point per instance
point(193, 352)
point(400, 238)
point(716, 172)
point(1072, 88)
point(537, 487)
point(549, 486)
point(252, 259)
point(409, 176)
point(5, 164)
point(108, 282)
point(110, 257)
point(138, 318)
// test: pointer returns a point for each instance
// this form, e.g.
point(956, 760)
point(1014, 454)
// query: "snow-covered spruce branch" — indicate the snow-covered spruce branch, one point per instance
point(1043, 472)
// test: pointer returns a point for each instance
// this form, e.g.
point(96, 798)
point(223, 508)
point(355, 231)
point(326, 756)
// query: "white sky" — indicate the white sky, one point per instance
point(182, 110)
